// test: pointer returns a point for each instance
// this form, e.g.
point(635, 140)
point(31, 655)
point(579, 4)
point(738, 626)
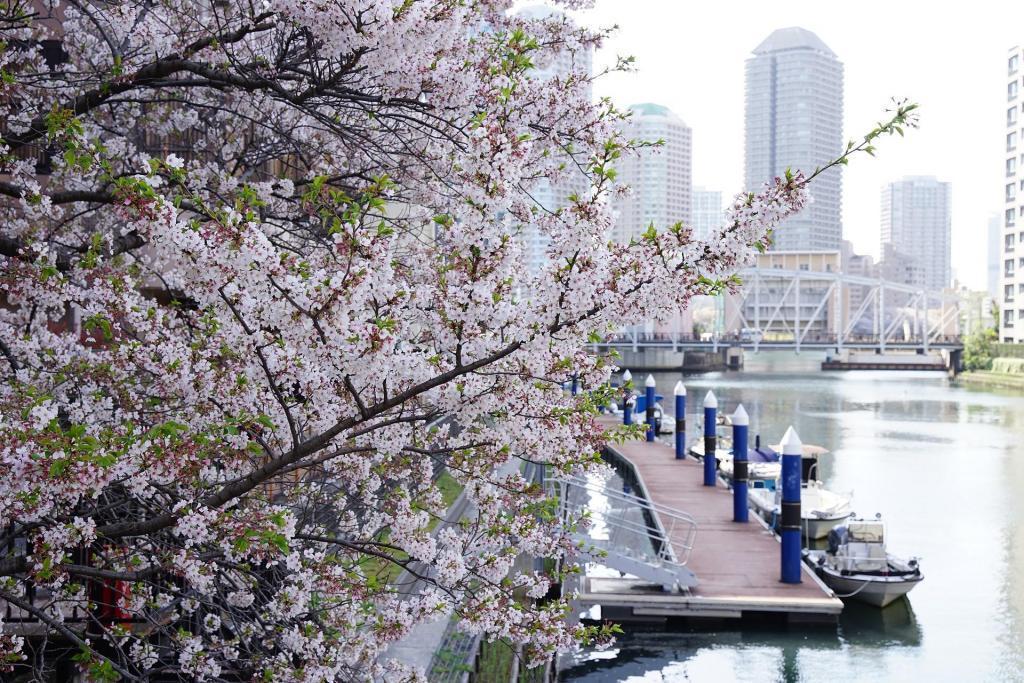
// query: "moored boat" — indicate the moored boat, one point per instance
point(722, 451)
point(763, 465)
point(821, 510)
point(857, 565)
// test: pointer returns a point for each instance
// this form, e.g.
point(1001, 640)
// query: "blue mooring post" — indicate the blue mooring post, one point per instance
point(575, 385)
point(740, 425)
point(710, 440)
point(792, 450)
point(649, 385)
point(627, 410)
point(680, 393)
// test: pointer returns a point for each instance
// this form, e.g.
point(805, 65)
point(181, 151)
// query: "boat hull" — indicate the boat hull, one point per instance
point(879, 591)
point(756, 471)
point(814, 526)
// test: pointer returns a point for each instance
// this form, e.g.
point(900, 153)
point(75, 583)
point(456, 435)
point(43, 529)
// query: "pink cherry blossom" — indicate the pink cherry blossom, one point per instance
point(263, 278)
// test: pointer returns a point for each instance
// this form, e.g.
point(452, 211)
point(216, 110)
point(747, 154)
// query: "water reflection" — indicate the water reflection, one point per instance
point(945, 466)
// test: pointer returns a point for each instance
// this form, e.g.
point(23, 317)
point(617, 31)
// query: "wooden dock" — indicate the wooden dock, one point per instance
point(737, 565)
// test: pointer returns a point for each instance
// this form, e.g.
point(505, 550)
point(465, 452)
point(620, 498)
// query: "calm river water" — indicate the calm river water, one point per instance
point(944, 464)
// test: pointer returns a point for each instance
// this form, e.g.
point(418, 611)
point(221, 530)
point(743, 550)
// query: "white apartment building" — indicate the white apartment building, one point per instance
point(794, 119)
point(916, 232)
point(1011, 301)
point(708, 214)
point(554, 196)
point(660, 177)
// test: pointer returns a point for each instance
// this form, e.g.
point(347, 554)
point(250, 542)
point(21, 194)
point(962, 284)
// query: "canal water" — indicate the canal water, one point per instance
point(944, 464)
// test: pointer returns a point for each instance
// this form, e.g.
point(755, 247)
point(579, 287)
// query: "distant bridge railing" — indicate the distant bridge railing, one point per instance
point(790, 309)
point(671, 341)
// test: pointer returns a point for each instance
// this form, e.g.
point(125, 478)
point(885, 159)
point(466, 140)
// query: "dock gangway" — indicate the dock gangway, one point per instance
point(629, 533)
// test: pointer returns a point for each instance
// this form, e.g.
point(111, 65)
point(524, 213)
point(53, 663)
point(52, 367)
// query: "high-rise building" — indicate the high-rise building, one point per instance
point(660, 177)
point(1011, 298)
point(916, 232)
point(554, 196)
point(708, 214)
point(794, 119)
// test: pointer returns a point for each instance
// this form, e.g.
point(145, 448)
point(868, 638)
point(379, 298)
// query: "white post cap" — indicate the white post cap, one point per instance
point(680, 389)
point(710, 401)
point(627, 376)
point(791, 444)
point(739, 418)
point(649, 382)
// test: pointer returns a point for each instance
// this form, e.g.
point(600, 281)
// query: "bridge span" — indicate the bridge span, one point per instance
point(800, 310)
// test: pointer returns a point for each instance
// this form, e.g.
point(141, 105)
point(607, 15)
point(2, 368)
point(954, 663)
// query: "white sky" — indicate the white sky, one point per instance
point(690, 57)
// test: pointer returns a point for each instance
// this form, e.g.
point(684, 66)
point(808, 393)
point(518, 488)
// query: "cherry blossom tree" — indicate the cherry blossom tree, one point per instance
point(262, 280)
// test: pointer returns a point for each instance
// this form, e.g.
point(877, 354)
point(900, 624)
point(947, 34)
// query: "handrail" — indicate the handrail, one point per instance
point(672, 529)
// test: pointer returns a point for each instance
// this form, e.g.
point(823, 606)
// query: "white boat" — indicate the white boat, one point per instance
point(857, 566)
point(820, 509)
point(756, 471)
point(665, 424)
point(722, 451)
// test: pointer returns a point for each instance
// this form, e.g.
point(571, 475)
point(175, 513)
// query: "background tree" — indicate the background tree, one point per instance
point(978, 349)
point(250, 254)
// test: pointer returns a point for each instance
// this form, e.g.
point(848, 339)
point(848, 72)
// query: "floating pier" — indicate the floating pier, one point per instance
point(737, 565)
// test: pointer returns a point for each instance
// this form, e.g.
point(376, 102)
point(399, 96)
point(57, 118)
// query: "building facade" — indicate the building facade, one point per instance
point(859, 265)
point(554, 196)
point(794, 119)
point(975, 311)
point(776, 307)
point(660, 178)
point(916, 230)
point(1011, 296)
point(708, 214)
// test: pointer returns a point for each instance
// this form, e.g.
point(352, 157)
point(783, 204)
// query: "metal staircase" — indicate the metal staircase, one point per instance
point(629, 533)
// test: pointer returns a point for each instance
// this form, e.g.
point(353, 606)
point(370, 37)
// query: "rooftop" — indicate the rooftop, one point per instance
point(651, 109)
point(793, 38)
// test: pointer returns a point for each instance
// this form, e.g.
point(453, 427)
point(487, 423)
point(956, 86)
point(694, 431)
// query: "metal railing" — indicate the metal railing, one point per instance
point(629, 532)
point(453, 662)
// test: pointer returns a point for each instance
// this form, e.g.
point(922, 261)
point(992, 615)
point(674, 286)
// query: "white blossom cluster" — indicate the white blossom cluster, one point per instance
point(263, 280)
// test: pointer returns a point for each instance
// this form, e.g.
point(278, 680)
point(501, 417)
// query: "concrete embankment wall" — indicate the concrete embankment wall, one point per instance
point(1008, 366)
point(1006, 373)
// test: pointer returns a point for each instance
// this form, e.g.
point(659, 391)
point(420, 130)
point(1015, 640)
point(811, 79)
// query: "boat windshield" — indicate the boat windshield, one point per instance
point(866, 532)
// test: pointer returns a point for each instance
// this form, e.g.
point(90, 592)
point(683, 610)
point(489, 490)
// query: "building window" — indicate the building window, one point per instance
point(1012, 64)
point(1008, 242)
point(1011, 141)
point(804, 266)
point(1008, 318)
point(1011, 116)
point(1008, 267)
point(1011, 191)
point(1011, 217)
point(1011, 90)
point(1011, 166)
point(1007, 293)
point(1020, 288)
